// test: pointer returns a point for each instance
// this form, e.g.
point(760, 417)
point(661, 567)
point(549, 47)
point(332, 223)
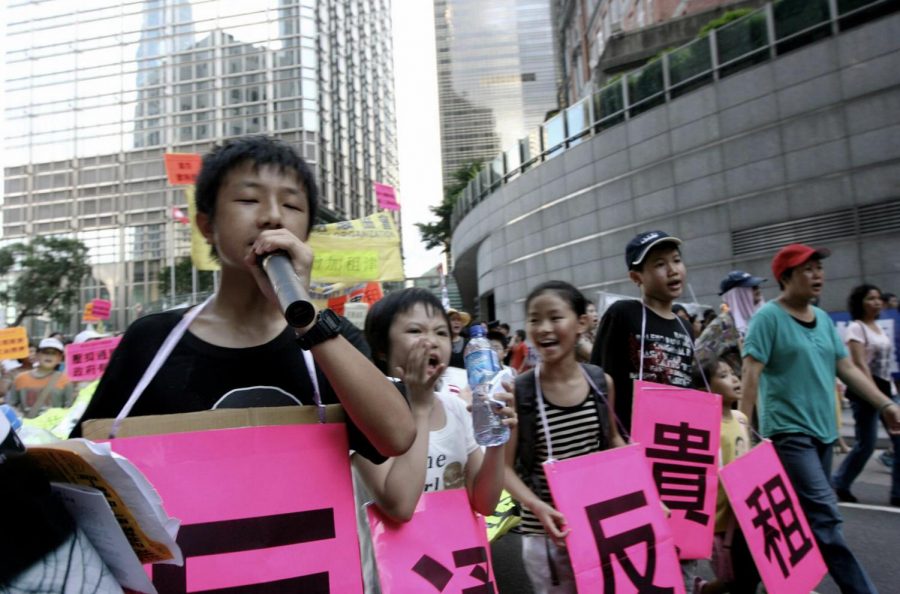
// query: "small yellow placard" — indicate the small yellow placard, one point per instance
point(13, 343)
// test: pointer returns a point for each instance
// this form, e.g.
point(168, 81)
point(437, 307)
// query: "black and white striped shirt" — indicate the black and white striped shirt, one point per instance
point(574, 431)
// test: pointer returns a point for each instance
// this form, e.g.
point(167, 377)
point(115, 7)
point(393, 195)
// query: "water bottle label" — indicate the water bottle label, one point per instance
point(481, 366)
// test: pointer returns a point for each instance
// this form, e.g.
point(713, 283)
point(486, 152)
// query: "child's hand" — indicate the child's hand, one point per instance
point(554, 522)
point(420, 373)
point(508, 411)
point(273, 240)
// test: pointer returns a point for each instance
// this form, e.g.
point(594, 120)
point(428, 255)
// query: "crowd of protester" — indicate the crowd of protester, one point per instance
point(774, 363)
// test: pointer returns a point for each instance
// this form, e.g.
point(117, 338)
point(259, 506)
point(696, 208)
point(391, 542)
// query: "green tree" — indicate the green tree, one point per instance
point(48, 274)
point(438, 233)
point(183, 278)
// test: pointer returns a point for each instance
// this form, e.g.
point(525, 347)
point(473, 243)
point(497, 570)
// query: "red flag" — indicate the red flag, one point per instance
point(179, 216)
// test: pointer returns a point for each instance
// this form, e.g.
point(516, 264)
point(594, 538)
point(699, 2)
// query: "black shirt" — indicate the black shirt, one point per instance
point(668, 351)
point(201, 376)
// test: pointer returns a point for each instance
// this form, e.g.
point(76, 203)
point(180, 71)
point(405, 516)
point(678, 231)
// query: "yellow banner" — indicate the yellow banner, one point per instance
point(366, 249)
point(201, 254)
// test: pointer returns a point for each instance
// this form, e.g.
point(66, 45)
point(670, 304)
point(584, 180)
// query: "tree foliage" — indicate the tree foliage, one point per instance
point(48, 274)
point(439, 233)
point(183, 282)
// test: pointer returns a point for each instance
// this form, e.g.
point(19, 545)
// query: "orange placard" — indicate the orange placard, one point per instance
point(13, 343)
point(88, 315)
point(182, 168)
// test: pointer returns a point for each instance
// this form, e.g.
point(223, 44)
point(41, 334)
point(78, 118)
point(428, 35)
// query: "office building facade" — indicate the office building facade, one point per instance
point(496, 76)
point(98, 91)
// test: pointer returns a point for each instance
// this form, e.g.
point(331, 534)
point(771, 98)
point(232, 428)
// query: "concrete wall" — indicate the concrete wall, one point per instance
point(811, 132)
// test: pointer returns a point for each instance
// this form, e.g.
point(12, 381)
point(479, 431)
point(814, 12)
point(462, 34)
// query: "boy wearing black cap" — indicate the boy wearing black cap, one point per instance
point(645, 339)
point(792, 354)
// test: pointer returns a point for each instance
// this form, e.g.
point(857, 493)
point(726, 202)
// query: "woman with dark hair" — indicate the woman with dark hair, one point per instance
point(871, 350)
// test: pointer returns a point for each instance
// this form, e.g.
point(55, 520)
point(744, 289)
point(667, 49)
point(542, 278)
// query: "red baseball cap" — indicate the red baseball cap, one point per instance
point(793, 255)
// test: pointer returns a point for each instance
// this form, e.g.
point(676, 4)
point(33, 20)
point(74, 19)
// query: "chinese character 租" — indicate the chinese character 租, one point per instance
point(786, 528)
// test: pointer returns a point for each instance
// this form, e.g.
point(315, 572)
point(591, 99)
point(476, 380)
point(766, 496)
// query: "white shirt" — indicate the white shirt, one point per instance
point(879, 350)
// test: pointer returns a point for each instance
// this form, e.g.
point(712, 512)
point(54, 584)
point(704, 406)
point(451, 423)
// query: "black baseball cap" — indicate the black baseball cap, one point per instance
point(739, 278)
point(638, 248)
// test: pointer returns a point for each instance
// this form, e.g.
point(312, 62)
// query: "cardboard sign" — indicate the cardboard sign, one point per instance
point(13, 343)
point(263, 509)
point(444, 547)
point(87, 361)
point(386, 196)
point(680, 431)
point(182, 168)
point(619, 540)
point(769, 514)
point(100, 308)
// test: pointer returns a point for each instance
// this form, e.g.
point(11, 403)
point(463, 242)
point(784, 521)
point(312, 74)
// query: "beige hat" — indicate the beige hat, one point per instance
point(463, 316)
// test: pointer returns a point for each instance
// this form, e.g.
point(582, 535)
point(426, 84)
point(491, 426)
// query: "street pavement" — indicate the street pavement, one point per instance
point(872, 528)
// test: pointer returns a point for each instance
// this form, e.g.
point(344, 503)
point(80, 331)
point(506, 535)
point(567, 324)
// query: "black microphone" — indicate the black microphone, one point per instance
point(292, 295)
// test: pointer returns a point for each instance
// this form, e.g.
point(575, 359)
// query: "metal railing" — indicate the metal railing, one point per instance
point(774, 29)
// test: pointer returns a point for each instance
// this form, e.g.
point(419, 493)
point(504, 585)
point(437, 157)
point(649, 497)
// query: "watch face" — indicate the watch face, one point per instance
point(330, 321)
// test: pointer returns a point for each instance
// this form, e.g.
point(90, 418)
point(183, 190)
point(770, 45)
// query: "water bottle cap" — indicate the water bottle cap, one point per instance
point(10, 414)
point(476, 331)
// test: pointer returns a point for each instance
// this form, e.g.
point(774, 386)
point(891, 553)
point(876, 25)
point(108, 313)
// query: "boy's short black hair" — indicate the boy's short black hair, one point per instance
point(259, 150)
point(497, 335)
point(382, 314)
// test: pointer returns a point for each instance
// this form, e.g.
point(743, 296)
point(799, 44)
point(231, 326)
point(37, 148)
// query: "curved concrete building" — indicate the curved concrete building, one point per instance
point(801, 147)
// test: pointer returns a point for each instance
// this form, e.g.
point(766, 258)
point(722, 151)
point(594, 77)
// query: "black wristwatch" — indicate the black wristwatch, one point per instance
point(327, 326)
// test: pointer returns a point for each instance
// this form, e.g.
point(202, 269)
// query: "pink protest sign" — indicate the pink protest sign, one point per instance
point(263, 509)
point(88, 360)
point(444, 545)
point(769, 514)
point(680, 431)
point(387, 196)
point(101, 308)
point(619, 540)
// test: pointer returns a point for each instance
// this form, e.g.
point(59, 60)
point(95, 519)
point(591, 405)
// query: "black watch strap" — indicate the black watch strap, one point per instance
point(327, 326)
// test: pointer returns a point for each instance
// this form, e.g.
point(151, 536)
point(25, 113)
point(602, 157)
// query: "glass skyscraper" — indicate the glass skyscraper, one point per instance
point(496, 76)
point(98, 90)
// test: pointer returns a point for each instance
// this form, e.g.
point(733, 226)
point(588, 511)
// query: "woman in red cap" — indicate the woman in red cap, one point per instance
point(792, 353)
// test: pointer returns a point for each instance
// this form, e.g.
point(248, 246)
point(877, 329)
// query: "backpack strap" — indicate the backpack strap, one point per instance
point(526, 409)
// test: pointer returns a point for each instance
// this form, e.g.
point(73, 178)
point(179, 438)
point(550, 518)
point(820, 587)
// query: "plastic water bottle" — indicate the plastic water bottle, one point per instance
point(482, 368)
point(9, 440)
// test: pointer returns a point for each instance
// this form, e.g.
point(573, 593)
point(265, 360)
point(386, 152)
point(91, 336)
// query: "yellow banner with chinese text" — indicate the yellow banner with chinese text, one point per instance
point(366, 249)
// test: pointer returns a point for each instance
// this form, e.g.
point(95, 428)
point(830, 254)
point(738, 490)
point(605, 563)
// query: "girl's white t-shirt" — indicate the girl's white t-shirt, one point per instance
point(879, 350)
point(448, 450)
point(449, 447)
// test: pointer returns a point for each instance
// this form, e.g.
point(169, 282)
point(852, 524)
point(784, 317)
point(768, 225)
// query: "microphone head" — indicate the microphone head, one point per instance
point(300, 314)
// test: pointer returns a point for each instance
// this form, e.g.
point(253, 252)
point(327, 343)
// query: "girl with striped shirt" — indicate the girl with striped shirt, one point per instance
point(574, 398)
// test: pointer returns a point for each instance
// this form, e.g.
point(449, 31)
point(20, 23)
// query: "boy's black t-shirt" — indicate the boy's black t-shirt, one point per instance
point(668, 351)
point(199, 376)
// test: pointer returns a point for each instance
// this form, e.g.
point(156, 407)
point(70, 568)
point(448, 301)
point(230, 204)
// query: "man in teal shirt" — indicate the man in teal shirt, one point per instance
point(792, 354)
